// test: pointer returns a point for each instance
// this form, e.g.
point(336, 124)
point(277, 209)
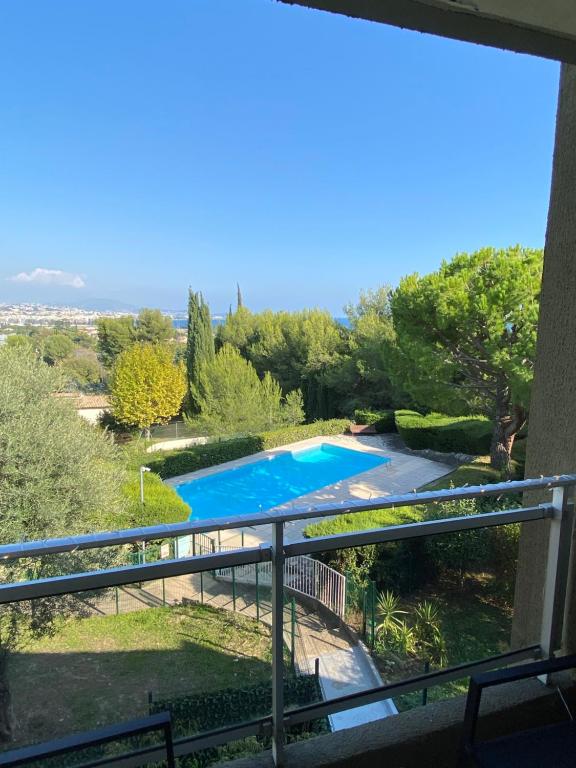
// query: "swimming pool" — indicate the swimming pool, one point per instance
point(268, 482)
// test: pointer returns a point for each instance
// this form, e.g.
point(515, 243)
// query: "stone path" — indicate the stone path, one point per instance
point(344, 664)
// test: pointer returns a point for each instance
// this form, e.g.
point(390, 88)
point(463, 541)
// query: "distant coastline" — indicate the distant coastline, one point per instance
point(219, 319)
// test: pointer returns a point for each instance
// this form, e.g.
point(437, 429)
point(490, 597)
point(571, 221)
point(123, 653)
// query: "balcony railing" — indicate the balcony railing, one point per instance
point(559, 511)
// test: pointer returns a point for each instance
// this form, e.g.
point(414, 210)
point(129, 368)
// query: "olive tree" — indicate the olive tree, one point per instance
point(58, 477)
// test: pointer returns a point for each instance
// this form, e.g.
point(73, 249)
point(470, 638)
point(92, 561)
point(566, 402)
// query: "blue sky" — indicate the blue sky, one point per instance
point(147, 146)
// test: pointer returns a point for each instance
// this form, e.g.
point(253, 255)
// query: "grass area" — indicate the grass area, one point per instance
point(99, 670)
point(478, 472)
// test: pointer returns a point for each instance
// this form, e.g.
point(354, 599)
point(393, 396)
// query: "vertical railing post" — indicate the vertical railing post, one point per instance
point(278, 643)
point(257, 595)
point(293, 634)
point(202, 587)
point(116, 600)
point(234, 588)
point(194, 544)
point(163, 592)
point(556, 578)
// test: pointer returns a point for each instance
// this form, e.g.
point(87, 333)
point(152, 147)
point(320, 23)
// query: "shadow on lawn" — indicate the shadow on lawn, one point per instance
point(60, 693)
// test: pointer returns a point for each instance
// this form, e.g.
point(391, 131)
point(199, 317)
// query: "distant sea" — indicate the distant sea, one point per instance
point(182, 323)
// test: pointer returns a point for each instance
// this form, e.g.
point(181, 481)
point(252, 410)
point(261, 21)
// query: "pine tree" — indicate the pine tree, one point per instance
point(200, 344)
point(239, 302)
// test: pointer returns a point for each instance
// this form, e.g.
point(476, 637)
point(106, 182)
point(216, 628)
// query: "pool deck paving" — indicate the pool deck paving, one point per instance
point(404, 473)
point(345, 666)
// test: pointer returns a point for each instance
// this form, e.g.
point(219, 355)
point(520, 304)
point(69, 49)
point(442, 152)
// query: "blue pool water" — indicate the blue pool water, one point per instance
point(269, 482)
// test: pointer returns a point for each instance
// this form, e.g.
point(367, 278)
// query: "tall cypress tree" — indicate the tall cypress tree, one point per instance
point(239, 302)
point(200, 344)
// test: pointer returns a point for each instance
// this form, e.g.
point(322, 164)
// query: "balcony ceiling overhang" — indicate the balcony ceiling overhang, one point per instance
point(541, 27)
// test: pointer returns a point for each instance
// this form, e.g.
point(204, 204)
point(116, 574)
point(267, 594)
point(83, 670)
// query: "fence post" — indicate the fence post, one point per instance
point(425, 690)
point(194, 545)
point(293, 634)
point(116, 600)
point(234, 588)
point(163, 592)
point(372, 613)
point(317, 668)
point(242, 537)
point(278, 644)
point(364, 601)
point(202, 587)
point(257, 595)
point(555, 581)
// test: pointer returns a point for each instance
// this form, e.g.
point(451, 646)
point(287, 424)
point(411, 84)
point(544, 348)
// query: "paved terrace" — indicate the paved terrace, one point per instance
point(406, 472)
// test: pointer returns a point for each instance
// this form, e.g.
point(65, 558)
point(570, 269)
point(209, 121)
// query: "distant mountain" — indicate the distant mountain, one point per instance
point(106, 305)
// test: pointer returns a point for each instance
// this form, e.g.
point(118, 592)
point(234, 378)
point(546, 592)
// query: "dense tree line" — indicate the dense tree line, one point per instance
point(460, 340)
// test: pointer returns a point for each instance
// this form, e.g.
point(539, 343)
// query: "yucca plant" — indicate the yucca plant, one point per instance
point(428, 632)
point(389, 612)
point(404, 638)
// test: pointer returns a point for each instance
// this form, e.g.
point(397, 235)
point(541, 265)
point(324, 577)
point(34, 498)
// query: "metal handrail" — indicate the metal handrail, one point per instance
point(560, 512)
point(301, 512)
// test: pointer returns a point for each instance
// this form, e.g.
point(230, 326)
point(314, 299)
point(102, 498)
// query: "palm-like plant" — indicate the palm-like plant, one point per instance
point(405, 639)
point(389, 612)
point(428, 631)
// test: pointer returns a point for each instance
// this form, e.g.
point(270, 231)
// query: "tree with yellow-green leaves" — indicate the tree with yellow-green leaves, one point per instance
point(147, 387)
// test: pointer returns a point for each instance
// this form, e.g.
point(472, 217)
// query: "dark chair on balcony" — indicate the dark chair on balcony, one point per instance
point(28, 756)
point(552, 746)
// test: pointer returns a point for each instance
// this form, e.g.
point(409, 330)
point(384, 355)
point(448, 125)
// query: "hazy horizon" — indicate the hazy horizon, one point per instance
point(150, 147)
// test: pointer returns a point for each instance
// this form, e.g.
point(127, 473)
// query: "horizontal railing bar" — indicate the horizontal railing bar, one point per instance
point(80, 741)
point(114, 577)
point(188, 744)
point(415, 530)
point(117, 577)
point(303, 512)
point(360, 699)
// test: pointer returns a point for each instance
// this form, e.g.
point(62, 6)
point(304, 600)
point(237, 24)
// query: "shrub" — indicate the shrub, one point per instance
point(202, 456)
point(161, 503)
point(461, 434)
point(382, 421)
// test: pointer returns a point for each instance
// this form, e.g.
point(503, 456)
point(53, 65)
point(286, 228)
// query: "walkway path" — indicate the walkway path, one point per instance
point(344, 664)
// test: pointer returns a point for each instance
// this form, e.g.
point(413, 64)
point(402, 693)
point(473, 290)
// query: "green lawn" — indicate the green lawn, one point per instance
point(477, 473)
point(99, 670)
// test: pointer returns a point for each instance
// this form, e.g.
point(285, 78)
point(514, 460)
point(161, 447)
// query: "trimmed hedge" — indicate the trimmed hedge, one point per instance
point(161, 503)
point(174, 463)
point(382, 421)
point(448, 434)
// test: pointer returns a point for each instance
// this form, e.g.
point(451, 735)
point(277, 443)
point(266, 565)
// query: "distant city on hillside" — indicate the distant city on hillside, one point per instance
point(49, 315)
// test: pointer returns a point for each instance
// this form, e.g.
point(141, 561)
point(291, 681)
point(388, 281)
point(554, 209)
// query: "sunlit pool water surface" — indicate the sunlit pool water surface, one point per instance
point(266, 483)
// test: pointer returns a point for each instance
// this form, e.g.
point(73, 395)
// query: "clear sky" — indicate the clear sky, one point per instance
point(146, 146)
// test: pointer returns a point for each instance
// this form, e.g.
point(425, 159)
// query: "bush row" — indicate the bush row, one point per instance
point(174, 463)
point(458, 434)
point(382, 421)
